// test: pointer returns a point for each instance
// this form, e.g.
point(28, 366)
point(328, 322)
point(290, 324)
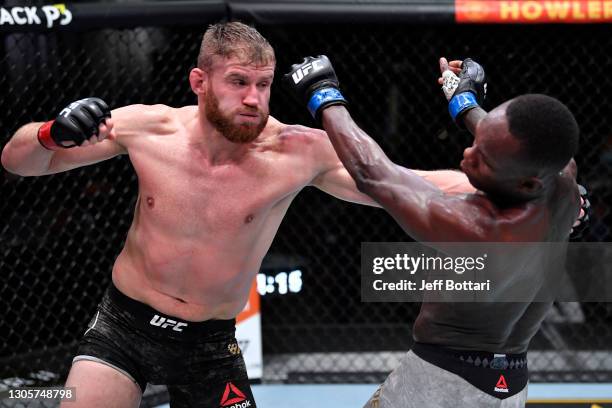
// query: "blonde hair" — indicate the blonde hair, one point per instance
point(234, 39)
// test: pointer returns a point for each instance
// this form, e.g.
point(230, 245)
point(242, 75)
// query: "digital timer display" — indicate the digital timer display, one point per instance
point(280, 283)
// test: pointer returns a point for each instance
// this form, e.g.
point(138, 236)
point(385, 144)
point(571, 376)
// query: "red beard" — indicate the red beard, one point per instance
point(244, 132)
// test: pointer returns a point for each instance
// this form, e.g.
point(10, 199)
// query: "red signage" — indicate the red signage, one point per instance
point(533, 11)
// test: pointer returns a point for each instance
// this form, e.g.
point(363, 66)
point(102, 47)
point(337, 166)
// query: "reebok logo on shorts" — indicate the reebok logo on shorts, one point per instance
point(501, 385)
point(233, 397)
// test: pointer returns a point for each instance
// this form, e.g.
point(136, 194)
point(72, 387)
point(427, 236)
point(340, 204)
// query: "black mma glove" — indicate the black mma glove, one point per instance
point(76, 123)
point(466, 91)
point(585, 206)
point(315, 80)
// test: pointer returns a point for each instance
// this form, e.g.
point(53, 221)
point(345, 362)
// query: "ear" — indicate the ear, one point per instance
point(198, 79)
point(531, 185)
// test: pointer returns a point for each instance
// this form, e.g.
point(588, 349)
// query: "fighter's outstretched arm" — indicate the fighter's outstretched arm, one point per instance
point(24, 156)
point(423, 210)
point(338, 182)
point(83, 133)
point(334, 179)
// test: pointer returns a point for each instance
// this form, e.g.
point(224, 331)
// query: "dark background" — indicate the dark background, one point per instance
point(60, 234)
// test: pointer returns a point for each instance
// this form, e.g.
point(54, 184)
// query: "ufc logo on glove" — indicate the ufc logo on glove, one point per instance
point(298, 75)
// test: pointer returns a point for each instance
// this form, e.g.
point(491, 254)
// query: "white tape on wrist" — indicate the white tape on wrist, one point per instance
point(450, 81)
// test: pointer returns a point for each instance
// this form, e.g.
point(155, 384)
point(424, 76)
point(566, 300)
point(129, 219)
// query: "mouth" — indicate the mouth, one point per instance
point(248, 117)
point(249, 114)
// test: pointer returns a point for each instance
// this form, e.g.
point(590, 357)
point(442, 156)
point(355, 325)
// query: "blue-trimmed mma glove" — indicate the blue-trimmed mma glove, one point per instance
point(314, 80)
point(580, 225)
point(466, 91)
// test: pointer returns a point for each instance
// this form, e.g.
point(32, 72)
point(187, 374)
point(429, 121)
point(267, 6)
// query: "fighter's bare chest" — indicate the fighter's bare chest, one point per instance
point(199, 197)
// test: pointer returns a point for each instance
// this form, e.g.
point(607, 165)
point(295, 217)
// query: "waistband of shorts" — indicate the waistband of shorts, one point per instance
point(153, 321)
point(453, 360)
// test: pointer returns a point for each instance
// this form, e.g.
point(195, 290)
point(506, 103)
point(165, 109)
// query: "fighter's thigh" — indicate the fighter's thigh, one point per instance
point(415, 383)
point(98, 385)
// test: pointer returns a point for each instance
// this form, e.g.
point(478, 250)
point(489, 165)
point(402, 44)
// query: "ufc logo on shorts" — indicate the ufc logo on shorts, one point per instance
point(302, 72)
point(164, 323)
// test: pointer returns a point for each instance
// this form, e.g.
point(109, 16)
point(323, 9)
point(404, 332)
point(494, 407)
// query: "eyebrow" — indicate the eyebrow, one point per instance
point(238, 75)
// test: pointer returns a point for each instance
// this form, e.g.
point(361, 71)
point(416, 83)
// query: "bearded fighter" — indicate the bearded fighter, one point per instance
point(215, 181)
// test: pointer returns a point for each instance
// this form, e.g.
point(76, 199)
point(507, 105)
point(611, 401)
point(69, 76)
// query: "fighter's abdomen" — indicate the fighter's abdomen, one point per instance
point(500, 327)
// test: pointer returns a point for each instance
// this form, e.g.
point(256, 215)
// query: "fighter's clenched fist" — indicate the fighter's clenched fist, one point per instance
point(315, 80)
point(464, 84)
point(81, 123)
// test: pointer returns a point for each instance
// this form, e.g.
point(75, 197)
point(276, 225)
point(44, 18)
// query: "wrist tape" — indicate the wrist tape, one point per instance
point(460, 103)
point(322, 97)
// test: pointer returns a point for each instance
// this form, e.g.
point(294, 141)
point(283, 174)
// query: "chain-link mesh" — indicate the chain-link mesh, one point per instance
point(61, 233)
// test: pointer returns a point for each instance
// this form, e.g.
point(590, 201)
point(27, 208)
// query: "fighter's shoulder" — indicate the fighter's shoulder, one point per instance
point(525, 221)
point(149, 119)
point(484, 213)
point(297, 137)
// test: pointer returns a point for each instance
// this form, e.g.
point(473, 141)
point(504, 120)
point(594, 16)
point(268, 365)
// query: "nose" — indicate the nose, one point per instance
point(251, 97)
point(468, 155)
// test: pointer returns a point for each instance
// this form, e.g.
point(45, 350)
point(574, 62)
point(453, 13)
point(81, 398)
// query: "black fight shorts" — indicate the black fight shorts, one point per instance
point(199, 362)
point(499, 375)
